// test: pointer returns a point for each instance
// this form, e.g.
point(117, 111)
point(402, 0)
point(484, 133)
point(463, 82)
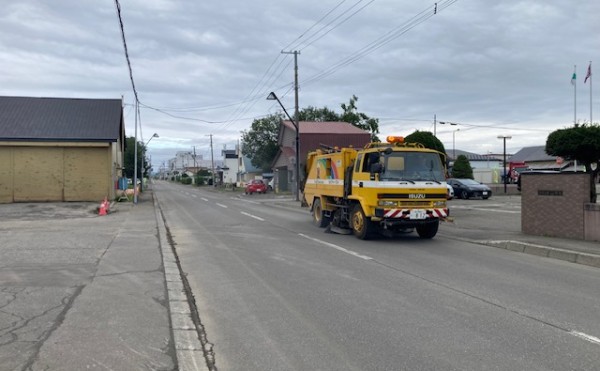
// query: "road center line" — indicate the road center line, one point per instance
point(586, 337)
point(364, 257)
point(223, 206)
point(204, 199)
point(253, 216)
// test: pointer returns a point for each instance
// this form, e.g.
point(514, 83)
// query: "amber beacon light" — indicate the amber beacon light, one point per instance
point(394, 139)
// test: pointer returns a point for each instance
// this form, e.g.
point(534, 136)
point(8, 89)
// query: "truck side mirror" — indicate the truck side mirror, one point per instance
point(376, 168)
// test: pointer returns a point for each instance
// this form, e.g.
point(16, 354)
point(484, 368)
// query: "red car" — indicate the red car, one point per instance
point(256, 186)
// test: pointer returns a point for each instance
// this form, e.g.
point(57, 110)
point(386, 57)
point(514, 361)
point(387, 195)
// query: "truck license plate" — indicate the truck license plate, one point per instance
point(418, 214)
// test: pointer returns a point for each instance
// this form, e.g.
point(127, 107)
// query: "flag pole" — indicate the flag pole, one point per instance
point(590, 71)
point(574, 81)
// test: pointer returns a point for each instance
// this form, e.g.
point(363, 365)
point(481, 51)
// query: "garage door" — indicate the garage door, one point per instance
point(37, 174)
point(87, 176)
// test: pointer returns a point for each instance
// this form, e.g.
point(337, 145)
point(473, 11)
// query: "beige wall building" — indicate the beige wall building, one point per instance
point(60, 149)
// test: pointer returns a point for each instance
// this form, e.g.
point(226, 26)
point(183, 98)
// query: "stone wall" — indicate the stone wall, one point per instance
point(554, 204)
point(591, 223)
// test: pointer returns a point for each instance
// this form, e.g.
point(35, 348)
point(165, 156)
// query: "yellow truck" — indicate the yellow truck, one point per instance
point(383, 188)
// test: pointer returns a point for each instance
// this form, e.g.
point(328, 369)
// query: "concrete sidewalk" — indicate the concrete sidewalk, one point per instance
point(80, 291)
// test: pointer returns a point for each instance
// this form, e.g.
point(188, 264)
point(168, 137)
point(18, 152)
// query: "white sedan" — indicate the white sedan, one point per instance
point(450, 193)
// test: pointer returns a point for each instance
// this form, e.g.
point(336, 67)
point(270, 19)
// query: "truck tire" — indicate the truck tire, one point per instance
point(319, 219)
point(428, 230)
point(362, 227)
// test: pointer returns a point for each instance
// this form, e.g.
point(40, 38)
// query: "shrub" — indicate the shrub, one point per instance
point(462, 168)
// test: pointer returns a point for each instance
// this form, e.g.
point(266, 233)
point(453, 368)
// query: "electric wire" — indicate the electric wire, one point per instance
point(382, 40)
point(288, 46)
point(319, 37)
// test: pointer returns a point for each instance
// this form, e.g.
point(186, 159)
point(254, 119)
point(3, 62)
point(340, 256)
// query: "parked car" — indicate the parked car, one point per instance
point(450, 192)
point(256, 186)
point(467, 188)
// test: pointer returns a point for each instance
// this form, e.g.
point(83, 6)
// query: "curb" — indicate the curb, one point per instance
point(188, 348)
point(545, 251)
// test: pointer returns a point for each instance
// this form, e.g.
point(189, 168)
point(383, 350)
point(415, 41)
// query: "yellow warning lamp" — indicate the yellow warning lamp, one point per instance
point(394, 139)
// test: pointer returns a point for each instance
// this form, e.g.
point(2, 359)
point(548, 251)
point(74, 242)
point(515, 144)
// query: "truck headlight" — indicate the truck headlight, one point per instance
point(439, 204)
point(387, 203)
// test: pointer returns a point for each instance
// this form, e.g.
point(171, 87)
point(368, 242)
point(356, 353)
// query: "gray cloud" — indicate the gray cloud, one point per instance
point(495, 67)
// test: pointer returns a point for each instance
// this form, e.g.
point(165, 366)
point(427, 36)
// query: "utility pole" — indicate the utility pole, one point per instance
point(212, 161)
point(135, 156)
point(434, 125)
point(296, 115)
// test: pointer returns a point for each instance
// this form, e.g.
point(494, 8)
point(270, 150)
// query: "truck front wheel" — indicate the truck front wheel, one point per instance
point(362, 227)
point(428, 230)
point(319, 219)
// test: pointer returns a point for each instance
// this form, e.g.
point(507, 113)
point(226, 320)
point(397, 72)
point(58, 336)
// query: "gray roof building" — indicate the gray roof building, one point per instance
point(60, 149)
point(60, 119)
point(535, 154)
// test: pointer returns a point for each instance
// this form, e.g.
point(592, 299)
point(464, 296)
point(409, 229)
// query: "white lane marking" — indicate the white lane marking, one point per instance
point(253, 216)
point(484, 209)
point(336, 247)
point(223, 206)
point(204, 199)
point(194, 196)
point(586, 337)
point(244, 200)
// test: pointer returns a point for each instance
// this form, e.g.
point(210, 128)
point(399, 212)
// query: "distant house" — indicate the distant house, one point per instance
point(231, 166)
point(312, 135)
point(477, 161)
point(247, 171)
point(536, 158)
point(60, 149)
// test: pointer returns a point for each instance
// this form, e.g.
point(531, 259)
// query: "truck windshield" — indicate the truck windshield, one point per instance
point(413, 166)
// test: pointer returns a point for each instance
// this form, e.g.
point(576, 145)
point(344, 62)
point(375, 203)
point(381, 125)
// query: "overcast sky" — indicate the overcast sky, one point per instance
point(206, 67)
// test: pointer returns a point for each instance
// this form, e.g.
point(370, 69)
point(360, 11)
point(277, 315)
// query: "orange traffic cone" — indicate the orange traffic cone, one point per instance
point(102, 209)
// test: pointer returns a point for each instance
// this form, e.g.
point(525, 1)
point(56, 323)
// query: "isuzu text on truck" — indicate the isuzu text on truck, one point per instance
point(385, 187)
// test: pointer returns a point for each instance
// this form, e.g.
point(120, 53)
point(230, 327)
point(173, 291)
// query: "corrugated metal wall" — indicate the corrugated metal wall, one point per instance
point(38, 174)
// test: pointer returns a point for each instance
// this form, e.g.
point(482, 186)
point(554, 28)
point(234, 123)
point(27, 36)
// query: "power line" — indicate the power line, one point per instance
point(289, 46)
point(383, 40)
point(335, 26)
point(125, 49)
point(268, 82)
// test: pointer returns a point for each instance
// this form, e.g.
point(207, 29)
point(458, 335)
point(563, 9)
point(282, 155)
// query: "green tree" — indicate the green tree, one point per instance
point(580, 143)
point(260, 142)
point(129, 158)
point(462, 168)
point(359, 119)
point(318, 114)
point(428, 140)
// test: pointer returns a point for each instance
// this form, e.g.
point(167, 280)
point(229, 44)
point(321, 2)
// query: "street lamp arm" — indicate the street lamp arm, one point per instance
point(155, 135)
point(272, 96)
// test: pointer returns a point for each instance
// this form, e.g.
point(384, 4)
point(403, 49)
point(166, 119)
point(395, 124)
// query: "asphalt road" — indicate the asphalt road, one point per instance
point(273, 292)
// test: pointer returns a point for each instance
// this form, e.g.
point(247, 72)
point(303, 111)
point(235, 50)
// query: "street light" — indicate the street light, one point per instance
point(504, 138)
point(454, 145)
point(153, 136)
point(441, 123)
point(273, 96)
